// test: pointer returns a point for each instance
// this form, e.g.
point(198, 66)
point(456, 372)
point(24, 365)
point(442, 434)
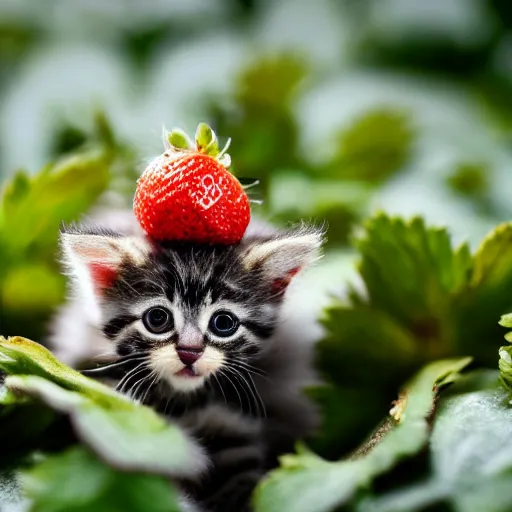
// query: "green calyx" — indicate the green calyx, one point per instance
point(177, 141)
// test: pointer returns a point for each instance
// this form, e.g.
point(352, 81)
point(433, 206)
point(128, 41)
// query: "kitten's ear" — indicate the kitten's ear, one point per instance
point(94, 259)
point(281, 258)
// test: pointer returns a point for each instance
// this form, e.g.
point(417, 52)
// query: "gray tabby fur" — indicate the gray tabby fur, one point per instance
point(77, 335)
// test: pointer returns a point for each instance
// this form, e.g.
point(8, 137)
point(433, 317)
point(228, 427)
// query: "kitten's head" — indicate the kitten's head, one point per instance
point(189, 311)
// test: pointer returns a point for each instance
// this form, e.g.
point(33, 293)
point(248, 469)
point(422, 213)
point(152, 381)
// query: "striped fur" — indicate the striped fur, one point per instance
point(244, 403)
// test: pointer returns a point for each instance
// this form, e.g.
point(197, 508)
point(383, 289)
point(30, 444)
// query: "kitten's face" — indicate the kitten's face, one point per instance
point(193, 313)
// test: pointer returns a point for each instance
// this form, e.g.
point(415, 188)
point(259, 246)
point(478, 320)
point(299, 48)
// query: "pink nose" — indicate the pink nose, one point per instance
point(188, 356)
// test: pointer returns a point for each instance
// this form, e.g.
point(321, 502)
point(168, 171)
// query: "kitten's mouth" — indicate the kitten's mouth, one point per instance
point(187, 371)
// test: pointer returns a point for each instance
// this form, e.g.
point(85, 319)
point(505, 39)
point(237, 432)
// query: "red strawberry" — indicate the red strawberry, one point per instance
point(188, 194)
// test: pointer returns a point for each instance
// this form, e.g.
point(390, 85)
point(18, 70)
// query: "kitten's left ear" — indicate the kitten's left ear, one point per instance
point(281, 258)
point(94, 259)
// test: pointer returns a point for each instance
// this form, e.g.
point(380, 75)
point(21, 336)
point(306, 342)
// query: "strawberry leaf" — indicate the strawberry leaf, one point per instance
point(470, 452)
point(421, 299)
point(305, 482)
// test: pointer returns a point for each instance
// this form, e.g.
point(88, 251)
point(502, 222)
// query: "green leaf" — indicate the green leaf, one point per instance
point(506, 320)
point(76, 481)
point(120, 431)
point(470, 179)
point(308, 483)
point(19, 356)
point(18, 292)
point(411, 272)
point(34, 207)
point(377, 145)
point(403, 319)
point(486, 297)
point(491, 268)
point(271, 81)
point(471, 458)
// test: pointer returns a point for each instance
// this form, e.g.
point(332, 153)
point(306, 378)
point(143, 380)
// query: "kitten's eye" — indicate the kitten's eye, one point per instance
point(224, 324)
point(158, 320)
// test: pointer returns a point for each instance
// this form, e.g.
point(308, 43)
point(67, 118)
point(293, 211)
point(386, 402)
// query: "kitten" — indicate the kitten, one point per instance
point(198, 335)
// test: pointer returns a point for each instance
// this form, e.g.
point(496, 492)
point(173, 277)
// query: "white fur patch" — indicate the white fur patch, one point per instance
point(166, 364)
point(211, 360)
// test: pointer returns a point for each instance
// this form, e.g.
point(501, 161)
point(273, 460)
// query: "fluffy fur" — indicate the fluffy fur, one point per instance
point(240, 395)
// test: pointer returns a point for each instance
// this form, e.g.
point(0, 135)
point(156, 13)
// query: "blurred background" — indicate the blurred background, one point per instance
point(340, 108)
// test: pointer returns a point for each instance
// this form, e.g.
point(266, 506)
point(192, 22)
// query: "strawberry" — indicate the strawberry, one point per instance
point(188, 194)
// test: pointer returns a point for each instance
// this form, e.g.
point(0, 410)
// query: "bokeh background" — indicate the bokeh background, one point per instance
point(340, 108)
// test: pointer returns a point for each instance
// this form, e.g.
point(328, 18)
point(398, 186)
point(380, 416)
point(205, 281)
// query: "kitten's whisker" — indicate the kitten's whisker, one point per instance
point(251, 392)
point(166, 405)
point(103, 354)
point(234, 387)
point(132, 392)
point(132, 373)
point(257, 394)
point(220, 387)
point(117, 364)
point(242, 382)
point(241, 366)
point(153, 382)
point(251, 367)
point(127, 357)
point(254, 394)
point(127, 389)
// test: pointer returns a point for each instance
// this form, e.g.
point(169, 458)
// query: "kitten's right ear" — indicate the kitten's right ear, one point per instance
point(94, 259)
point(280, 258)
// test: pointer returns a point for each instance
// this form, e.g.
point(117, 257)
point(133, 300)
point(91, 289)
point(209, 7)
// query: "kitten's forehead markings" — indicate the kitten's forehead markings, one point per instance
point(207, 301)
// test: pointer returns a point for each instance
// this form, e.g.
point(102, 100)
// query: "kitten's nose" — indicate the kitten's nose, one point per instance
point(189, 356)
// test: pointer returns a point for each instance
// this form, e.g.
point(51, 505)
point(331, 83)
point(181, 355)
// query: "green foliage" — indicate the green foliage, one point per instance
point(123, 433)
point(412, 82)
point(265, 127)
point(422, 300)
point(470, 179)
point(376, 146)
point(471, 457)
point(76, 481)
point(138, 448)
point(33, 207)
point(308, 483)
